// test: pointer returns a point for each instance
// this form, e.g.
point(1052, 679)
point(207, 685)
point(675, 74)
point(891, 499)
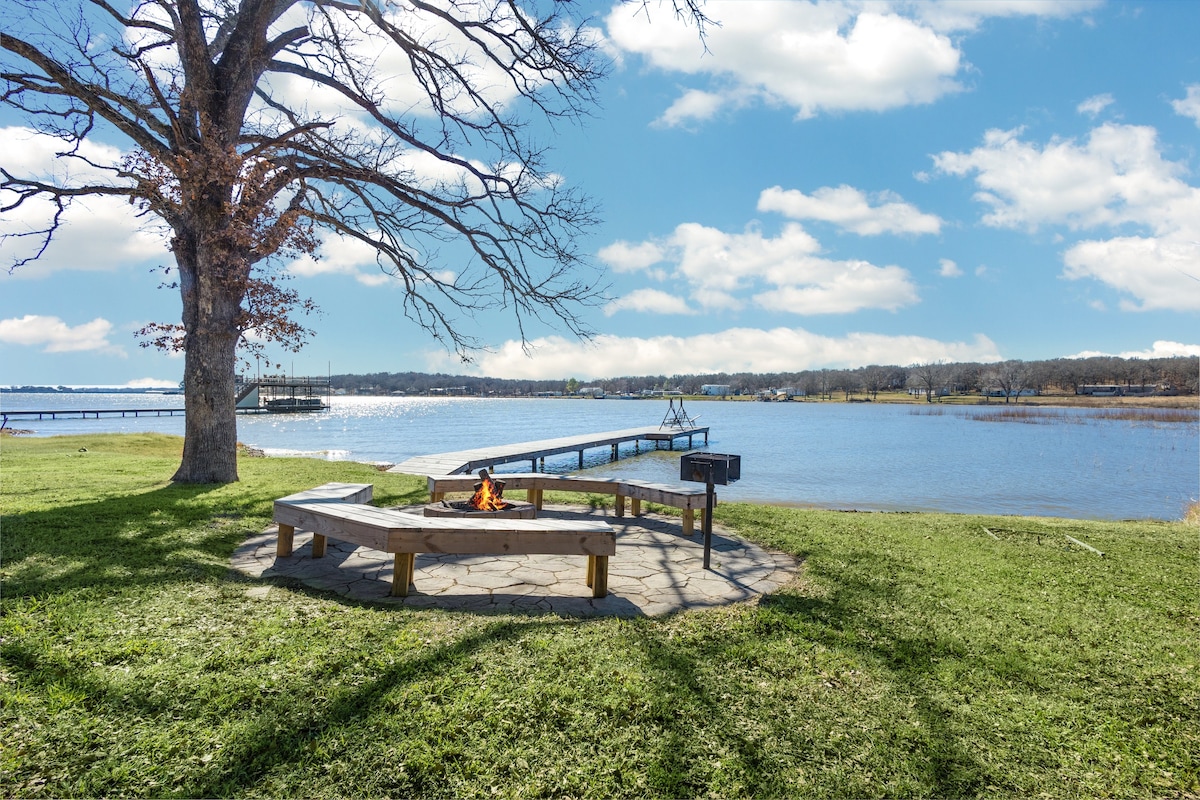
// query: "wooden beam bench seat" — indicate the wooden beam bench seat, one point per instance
point(404, 535)
point(689, 499)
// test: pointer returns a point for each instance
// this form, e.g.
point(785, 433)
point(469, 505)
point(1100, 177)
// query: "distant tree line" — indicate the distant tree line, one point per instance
point(1008, 378)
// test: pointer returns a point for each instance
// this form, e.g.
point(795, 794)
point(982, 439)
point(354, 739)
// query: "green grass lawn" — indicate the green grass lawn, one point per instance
point(916, 655)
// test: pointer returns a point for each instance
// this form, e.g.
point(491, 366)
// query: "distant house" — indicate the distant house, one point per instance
point(715, 389)
point(591, 391)
point(1115, 390)
point(994, 392)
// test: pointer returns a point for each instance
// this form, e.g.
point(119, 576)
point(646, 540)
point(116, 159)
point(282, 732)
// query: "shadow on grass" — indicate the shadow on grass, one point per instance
point(851, 627)
point(170, 534)
point(287, 730)
point(858, 618)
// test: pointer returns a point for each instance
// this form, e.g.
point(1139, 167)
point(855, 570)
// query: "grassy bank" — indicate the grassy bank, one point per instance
point(917, 654)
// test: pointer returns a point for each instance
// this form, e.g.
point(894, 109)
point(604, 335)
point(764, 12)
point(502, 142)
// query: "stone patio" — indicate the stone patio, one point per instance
point(656, 571)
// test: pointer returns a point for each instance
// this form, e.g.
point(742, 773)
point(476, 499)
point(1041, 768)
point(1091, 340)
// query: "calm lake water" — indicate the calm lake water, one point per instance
point(829, 455)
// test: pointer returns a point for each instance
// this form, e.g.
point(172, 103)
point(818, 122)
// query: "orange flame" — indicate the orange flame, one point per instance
point(488, 497)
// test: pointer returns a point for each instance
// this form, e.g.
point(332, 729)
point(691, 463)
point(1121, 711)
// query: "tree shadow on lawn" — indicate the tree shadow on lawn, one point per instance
point(289, 729)
point(173, 534)
point(857, 619)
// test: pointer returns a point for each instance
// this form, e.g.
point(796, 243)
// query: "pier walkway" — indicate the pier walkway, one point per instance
point(535, 452)
point(86, 413)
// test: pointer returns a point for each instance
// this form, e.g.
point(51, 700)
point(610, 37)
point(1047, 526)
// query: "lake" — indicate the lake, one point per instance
point(1072, 463)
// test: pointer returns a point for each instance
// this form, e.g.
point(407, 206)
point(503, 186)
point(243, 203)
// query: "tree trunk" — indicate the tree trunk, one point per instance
point(212, 300)
point(210, 442)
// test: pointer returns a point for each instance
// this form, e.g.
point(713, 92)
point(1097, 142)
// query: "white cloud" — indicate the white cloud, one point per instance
point(53, 335)
point(342, 255)
point(840, 287)
point(1161, 274)
point(649, 300)
point(1095, 104)
point(1189, 106)
point(851, 209)
point(1160, 349)
point(968, 15)
point(32, 154)
point(732, 350)
point(695, 105)
point(815, 58)
point(780, 273)
point(811, 57)
point(948, 269)
point(1116, 179)
point(402, 93)
point(1117, 176)
point(97, 233)
point(626, 257)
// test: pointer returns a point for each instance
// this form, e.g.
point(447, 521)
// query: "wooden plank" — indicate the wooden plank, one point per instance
point(395, 531)
point(1085, 545)
point(469, 460)
point(592, 543)
point(337, 492)
point(405, 534)
point(347, 523)
point(687, 498)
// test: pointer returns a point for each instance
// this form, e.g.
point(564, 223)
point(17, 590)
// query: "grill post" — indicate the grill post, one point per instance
point(708, 511)
point(710, 469)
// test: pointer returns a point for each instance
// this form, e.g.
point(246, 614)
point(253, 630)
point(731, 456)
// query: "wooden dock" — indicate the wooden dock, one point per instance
point(86, 413)
point(536, 452)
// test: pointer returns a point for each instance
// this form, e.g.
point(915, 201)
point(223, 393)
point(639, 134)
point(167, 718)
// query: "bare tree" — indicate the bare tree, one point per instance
point(874, 378)
point(254, 126)
point(1011, 377)
point(927, 376)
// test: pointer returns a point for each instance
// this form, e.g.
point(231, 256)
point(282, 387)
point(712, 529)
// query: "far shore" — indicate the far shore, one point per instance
point(903, 398)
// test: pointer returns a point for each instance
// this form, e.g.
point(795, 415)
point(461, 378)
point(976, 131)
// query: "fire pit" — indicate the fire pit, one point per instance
point(487, 503)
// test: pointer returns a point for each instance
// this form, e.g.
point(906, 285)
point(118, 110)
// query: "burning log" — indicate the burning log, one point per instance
point(489, 494)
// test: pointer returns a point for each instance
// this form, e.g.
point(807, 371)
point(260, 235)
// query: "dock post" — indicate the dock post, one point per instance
point(614, 453)
point(533, 465)
point(581, 458)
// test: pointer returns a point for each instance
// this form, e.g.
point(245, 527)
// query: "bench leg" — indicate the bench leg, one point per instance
point(619, 503)
point(318, 545)
point(283, 545)
point(635, 506)
point(402, 573)
point(534, 496)
point(437, 497)
point(689, 521)
point(598, 575)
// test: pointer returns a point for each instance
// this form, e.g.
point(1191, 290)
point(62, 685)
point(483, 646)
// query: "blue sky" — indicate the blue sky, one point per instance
point(829, 185)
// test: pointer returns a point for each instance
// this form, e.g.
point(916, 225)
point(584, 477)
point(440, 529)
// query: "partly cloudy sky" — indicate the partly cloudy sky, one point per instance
point(827, 184)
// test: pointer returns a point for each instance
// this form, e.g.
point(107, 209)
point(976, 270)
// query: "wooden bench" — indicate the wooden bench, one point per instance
point(687, 498)
point(403, 534)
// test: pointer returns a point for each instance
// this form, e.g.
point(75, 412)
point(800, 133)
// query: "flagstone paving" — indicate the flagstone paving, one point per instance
point(656, 571)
